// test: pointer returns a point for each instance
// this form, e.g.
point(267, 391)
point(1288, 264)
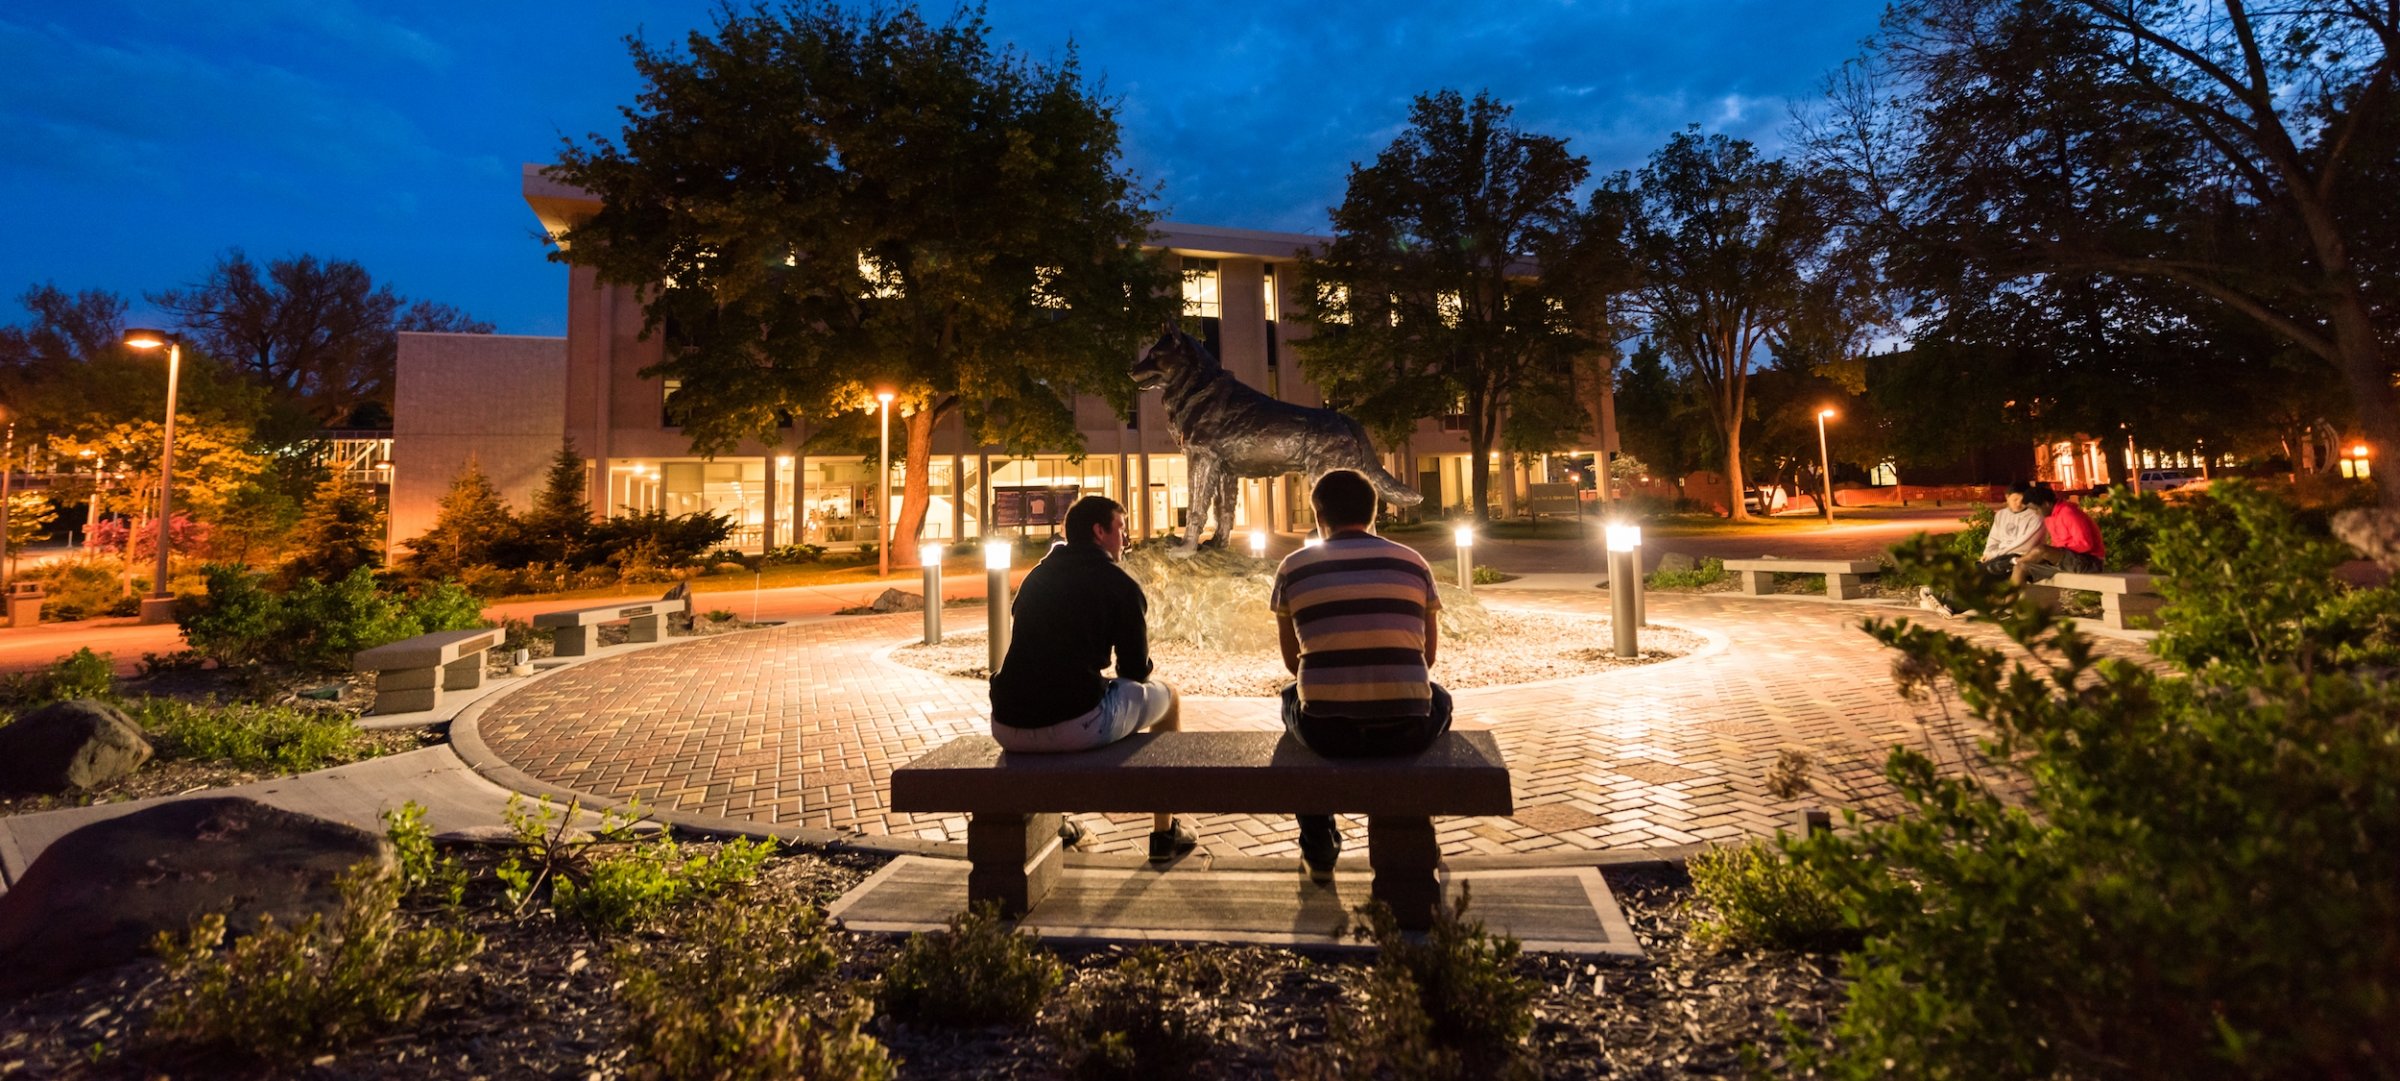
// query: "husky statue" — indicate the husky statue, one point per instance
point(1230, 431)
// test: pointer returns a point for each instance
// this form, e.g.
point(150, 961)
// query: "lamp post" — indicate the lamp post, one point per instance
point(1825, 456)
point(995, 591)
point(1258, 544)
point(159, 606)
point(883, 492)
point(1624, 585)
point(8, 469)
point(930, 556)
point(1463, 540)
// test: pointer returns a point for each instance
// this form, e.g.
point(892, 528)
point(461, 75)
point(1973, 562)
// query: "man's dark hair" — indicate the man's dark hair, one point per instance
point(2042, 497)
point(2021, 488)
point(1343, 498)
point(1089, 513)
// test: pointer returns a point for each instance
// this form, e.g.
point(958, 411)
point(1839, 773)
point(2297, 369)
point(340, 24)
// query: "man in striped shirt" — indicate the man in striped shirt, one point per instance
point(1357, 619)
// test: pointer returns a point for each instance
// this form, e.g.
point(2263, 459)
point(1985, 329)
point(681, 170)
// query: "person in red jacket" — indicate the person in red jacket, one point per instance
point(2070, 542)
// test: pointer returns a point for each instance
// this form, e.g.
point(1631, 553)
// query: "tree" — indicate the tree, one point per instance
point(212, 462)
point(2239, 155)
point(66, 372)
point(472, 527)
point(1427, 286)
point(816, 205)
point(341, 531)
point(30, 515)
point(1737, 258)
point(319, 333)
point(1660, 417)
point(560, 522)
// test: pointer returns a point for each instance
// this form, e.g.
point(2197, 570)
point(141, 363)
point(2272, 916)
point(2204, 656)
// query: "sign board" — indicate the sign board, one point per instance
point(1553, 499)
point(1032, 505)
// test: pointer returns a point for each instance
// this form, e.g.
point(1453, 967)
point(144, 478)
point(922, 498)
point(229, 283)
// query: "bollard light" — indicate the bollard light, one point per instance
point(1258, 544)
point(929, 556)
point(1624, 586)
point(1624, 538)
point(1311, 542)
point(1464, 538)
point(995, 566)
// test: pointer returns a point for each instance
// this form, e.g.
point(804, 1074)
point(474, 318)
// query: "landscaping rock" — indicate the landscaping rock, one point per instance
point(893, 600)
point(1677, 563)
point(97, 897)
point(76, 744)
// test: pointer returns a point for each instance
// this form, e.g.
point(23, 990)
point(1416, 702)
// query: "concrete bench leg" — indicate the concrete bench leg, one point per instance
point(2119, 610)
point(642, 628)
point(572, 641)
point(463, 674)
point(2049, 597)
point(407, 690)
point(1841, 587)
point(1758, 583)
point(1406, 859)
point(1015, 860)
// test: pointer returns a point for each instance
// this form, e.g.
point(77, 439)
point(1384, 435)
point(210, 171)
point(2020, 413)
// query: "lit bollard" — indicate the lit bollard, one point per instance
point(930, 556)
point(1624, 589)
point(1464, 538)
point(995, 567)
point(1311, 542)
point(1641, 582)
point(1258, 544)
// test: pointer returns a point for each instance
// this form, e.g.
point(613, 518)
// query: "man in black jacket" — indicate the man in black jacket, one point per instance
point(1075, 608)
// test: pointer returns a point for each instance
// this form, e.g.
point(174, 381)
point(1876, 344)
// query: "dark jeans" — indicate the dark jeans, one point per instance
point(2045, 561)
point(1349, 737)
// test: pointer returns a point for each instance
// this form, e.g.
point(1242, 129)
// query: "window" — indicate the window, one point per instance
point(671, 414)
point(1200, 296)
point(1273, 307)
point(1336, 305)
point(883, 279)
point(1045, 288)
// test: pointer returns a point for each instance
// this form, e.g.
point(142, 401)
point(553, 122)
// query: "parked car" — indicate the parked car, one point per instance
point(2160, 480)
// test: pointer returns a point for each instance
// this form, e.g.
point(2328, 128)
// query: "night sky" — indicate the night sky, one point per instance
point(141, 138)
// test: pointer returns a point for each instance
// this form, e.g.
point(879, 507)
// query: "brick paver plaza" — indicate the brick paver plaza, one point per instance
point(800, 726)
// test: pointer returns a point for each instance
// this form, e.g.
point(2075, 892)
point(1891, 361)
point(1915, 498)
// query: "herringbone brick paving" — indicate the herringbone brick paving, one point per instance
point(800, 726)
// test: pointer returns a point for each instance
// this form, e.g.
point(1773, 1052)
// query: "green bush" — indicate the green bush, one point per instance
point(237, 621)
point(315, 624)
point(1445, 1005)
point(1706, 572)
point(719, 995)
point(979, 972)
point(611, 878)
point(284, 993)
point(2149, 873)
point(2247, 583)
point(2127, 523)
point(1757, 896)
point(251, 735)
point(81, 674)
point(77, 588)
point(1138, 1020)
point(423, 869)
point(1974, 532)
point(793, 554)
point(1485, 574)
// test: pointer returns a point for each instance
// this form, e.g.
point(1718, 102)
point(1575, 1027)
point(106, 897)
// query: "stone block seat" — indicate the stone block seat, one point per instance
point(1015, 800)
point(412, 673)
point(574, 627)
point(2124, 595)
point(1842, 576)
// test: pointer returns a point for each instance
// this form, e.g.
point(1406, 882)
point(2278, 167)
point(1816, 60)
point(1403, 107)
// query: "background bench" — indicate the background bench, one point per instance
point(412, 673)
point(1015, 800)
point(2123, 595)
point(574, 627)
point(1841, 575)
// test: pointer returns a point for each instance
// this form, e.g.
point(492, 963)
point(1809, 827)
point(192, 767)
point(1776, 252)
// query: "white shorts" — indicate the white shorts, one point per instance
point(1125, 707)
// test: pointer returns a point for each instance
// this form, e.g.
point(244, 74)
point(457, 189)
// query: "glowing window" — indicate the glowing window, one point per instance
point(1200, 296)
point(1045, 288)
point(1273, 309)
point(882, 279)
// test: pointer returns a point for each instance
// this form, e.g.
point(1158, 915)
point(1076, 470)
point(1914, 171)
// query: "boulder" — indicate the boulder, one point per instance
point(893, 600)
point(68, 745)
point(95, 898)
point(1677, 563)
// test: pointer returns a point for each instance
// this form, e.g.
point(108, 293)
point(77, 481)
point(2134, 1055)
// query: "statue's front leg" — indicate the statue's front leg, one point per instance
point(1229, 490)
point(1201, 496)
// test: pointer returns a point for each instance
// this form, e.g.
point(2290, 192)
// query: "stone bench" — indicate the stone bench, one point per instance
point(1015, 800)
point(574, 627)
point(2123, 595)
point(411, 674)
point(1841, 575)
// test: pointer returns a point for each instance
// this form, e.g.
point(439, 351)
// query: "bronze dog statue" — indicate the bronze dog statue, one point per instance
point(1230, 431)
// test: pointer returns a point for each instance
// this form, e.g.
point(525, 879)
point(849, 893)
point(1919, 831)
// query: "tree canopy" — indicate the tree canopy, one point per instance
point(817, 204)
point(1427, 300)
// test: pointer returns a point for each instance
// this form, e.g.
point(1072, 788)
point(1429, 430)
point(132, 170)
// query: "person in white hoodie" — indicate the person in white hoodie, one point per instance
point(2016, 530)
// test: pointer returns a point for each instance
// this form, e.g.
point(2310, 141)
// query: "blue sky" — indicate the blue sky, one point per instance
point(139, 139)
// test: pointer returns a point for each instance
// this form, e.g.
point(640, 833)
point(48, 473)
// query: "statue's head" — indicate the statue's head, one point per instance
point(1174, 352)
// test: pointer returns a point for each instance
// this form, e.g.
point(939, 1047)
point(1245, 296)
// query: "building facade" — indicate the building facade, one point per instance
point(509, 402)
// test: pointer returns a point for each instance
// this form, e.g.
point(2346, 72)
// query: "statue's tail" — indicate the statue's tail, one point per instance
point(1390, 488)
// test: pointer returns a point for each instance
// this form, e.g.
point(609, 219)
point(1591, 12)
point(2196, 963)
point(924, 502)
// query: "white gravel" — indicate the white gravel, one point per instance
point(1518, 647)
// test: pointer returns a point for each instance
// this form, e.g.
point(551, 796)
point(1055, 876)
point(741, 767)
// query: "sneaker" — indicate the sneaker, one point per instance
point(1931, 603)
point(1319, 851)
point(1071, 834)
point(1173, 841)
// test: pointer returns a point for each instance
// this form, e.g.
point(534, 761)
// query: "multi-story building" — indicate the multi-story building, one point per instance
point(509, 402)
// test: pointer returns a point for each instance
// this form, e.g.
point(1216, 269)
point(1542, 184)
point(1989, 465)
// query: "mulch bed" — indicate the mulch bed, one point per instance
point(539, 1003)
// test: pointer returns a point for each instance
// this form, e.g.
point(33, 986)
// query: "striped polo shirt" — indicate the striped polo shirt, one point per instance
point(1359, 604)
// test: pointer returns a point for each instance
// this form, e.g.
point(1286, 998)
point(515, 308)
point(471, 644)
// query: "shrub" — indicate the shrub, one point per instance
point(2247, 583)
point(321, 625)
point(1975, 531)
point(423, 869)
point(1485, 574)
point(445, 606)
point(1706, 572)
point(2126, 522)
point(283, 992)
point(237, 621)
point(316, 624)
point(979, 972)
point(791, 554)
point(252, 735)
point(2148, 884)
point(668, 540)
point(1138, 1020)
point(1757, 896)
point(77, 588)
point(751, 1039)
point(1445, 1005)
point(611, 879)
point(81, 674)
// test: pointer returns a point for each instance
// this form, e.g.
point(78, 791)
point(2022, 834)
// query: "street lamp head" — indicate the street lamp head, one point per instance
point(1825, 414)
point(2359, 451)
point(146, 338)
point(884, 397)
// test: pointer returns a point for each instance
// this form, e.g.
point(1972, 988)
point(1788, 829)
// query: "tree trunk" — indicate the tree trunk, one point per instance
point(2371, 395)
point(916, 489)
point(1479, 476)
point(1733, 470)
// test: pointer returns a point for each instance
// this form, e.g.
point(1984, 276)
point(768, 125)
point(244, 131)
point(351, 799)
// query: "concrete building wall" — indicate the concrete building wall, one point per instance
point(497, 398)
